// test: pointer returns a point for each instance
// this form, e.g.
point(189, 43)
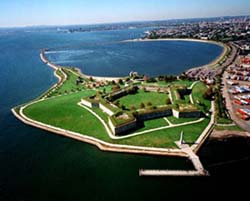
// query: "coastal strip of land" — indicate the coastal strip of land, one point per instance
point(104, 146)
point(56, 67)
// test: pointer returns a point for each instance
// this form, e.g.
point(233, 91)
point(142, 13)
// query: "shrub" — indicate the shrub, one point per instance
point(208, 95)
point(133, 107)
point(149, 104)
point(120, 81)
point(116, 87)
point(123, 107)
point(117, 103)
point(168, 101)
point(142, 105)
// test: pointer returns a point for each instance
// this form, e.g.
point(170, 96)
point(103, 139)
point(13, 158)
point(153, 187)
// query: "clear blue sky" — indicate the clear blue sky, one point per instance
point(62, 12)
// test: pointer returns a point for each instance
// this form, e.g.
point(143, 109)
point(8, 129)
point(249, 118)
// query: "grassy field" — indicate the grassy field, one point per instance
point(166, 138)
point(69, 85)
point(197, 93)
point(63, 112)
point(143, 97)
point(186, 83)
point(151, 124)
point(174, 120)
point(228, 128)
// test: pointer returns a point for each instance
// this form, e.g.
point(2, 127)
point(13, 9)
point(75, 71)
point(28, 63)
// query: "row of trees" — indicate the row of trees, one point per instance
point(141, 106)
point(167, 78)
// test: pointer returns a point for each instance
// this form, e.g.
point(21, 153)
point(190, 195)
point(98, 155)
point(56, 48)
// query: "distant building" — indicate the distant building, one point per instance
point(133, 74)
point(245, 61)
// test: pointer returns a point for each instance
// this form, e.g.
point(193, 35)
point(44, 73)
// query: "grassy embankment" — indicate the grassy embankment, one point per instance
point(135, 100)
point(63, 112)
point(197, 93)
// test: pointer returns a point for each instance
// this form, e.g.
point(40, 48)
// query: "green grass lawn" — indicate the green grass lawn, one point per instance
point(198, 90)
point(174, 120)
point(166, 138)
point(69, 85)
point(223, 121)
point(143, 97)
point(186, 83)
point(63, 112)
point(228, 128)
point(177, 99)
point(151, 124)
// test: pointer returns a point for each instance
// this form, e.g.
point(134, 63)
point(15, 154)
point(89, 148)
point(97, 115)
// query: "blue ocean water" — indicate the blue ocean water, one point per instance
point(117, 59)
point(37, 165)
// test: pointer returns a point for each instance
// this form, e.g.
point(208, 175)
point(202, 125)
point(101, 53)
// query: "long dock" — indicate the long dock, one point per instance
point(199, 169)
point(168, 173)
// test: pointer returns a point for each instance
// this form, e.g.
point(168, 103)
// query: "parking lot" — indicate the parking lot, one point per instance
point(236, 91)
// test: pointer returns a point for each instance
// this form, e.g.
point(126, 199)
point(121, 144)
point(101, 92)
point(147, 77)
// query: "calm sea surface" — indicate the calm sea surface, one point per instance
point(119, 58)
point(37, 165)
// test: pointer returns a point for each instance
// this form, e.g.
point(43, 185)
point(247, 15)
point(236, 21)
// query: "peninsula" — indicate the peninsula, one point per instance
point(167, 115)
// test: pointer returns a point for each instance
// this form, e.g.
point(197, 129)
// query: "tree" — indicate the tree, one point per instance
point(133, 107)
point(208, 94)
point(117, 103)
point(116, 88)
point(120, 81)
point(123, 107)
point(168, 101)
point(149, 104)
point(142, 105)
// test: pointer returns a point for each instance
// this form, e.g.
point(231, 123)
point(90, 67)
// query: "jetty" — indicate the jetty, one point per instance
point(199, 169)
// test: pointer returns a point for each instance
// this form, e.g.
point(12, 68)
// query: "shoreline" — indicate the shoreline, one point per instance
point(199, 142)
point(227, 134)
point(103, 146)
point(213, 63)
point(99, 143)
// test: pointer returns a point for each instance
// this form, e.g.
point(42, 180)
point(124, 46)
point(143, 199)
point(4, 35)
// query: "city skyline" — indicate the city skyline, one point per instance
point(25, 13)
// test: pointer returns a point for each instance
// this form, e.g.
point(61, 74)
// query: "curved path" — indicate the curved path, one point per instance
point(105, 146)
point(138, 133)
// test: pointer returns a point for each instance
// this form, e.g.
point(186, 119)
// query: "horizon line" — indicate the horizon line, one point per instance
point(117, 22)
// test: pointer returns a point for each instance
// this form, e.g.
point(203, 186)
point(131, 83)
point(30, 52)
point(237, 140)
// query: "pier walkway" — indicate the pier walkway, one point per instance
point(199, 169)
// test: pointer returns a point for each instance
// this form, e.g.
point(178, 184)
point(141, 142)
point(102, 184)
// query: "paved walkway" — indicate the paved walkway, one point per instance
point(169, 123)
point(199, 169)
point(138, 133)
point(194, 158)
point(92, 140)
point(191, 95)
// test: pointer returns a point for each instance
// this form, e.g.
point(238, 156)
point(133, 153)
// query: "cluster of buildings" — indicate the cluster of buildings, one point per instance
point(238, 78)
point(245, 61)
point(244, 113)
point(238, 73)
point(243, 46)
point(205, 74)
point(223, 29)
point(239, 90)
